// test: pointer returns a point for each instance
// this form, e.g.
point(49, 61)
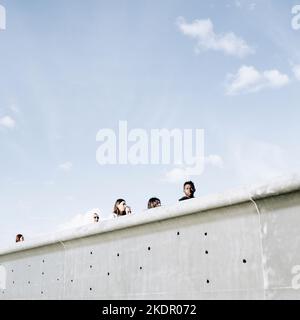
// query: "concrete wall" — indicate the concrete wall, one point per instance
point(237, 245)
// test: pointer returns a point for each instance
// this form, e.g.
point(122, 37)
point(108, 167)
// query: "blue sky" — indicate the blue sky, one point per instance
point(71, 68)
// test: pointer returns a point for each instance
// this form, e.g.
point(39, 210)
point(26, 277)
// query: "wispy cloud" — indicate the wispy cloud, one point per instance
point(185, 173)
point(80, 220)
point(214, 160)
point(257, 161)
point(14, 109)
point(237, 3)
point(252, 6)
point(296, 71)
point(67, 166)
point(207, 39)
point(248, 79)
point(244, 4)
point(7, 122)
point(182, 174)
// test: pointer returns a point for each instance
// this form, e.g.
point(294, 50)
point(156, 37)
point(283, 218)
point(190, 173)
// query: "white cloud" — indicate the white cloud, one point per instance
point(207, 39)
point(14, 109)
point(256, 161)
point(296, 71)
point(7, 122)
point(252, 6)
point(80, 220)
point(214, 160)
point(244, 4)
point(67, 166)
point(248, 79)
point(238, 3)
point(185, 173)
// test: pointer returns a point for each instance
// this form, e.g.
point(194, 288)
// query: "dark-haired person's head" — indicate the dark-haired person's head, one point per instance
point(189, 189)
point(19, 238)
point(120, 207)
point(153, 203)
point(95, 217)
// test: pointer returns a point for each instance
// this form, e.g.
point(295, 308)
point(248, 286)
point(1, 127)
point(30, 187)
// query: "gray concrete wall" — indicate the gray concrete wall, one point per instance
point(238, 245)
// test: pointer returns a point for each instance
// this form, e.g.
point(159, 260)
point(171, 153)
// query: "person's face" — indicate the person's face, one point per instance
point(128, 210)
point(20, 239)
point(157, 204)
point(121, 206)
point(188, 190)
point(96, 217)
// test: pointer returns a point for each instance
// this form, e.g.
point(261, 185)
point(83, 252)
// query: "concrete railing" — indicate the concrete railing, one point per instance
point(243, 244)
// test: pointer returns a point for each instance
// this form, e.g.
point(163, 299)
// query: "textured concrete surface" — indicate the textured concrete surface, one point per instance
point(242, 244)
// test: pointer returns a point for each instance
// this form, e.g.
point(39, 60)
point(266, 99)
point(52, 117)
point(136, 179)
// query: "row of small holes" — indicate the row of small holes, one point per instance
point(178, 233)
point(206, 252)
point(149, 248)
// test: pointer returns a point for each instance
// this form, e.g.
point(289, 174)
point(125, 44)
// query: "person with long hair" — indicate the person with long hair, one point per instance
point(121, 209)
point(19, 238)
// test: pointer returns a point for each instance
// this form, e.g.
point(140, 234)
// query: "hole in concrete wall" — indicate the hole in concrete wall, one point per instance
point(91, 266)
point(207, 281)
point(72, 280)
point(12, 270)
point(178, 233)
point(244, 261)
point(13, 282)
point(91, 289)
point(57, 279)
point(42, 292)
point(28, 282)
point(149, 248)
point(205, 234)
point(43, 273)
point(141, 268)
point(206, 252)
point(108, 273)
point(91, 252)
point(118, 254)
point(43, 261)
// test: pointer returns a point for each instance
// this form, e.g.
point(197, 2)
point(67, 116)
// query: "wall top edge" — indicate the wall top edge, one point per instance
point(279, 186)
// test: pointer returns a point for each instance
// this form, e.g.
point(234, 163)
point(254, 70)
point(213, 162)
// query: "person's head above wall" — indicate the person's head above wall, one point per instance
point(153, 203)
point(189, 189)
point(19, 237)
point(96, 217)
point(120, 208)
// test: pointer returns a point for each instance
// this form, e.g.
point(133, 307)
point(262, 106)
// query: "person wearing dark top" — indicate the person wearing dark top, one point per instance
point(189, 190)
